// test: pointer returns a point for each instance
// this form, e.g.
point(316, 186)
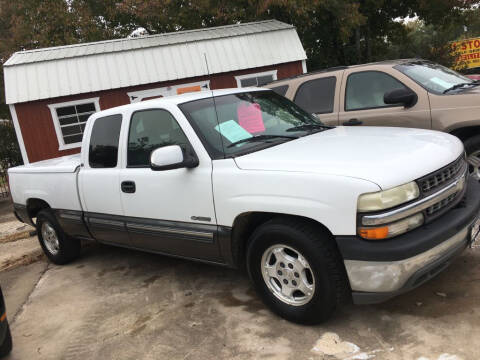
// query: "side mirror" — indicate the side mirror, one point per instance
point(171, 157)
point(403, 96)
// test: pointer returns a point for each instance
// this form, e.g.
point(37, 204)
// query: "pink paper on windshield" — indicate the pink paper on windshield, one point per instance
point(250, 118)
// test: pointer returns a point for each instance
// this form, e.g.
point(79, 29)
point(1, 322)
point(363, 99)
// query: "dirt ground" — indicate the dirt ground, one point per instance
point(122, 304)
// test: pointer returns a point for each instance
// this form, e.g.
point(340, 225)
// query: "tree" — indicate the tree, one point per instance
point(9, 151)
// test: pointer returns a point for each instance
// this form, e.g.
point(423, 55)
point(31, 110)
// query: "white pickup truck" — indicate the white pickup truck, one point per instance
point(245, 178)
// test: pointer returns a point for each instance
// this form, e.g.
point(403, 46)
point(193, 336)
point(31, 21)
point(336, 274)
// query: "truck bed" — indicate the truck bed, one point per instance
point(53, 181)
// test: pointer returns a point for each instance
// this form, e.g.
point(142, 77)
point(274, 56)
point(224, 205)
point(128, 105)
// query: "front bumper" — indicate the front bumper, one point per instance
point(379, 270)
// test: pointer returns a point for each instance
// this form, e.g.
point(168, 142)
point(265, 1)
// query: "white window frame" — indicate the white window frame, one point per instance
point(58, 130)
point(137, 96)
point(239, 78)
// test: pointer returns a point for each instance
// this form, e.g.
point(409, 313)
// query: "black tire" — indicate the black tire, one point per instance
point(6, 346)
point(472, 145)
point(68, 248)
point(315, 244)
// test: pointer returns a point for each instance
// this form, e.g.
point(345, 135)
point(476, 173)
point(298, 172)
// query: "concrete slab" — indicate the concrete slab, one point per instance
point(121, 304)
point(17, 285)
point(10, 228)
point(19, 252)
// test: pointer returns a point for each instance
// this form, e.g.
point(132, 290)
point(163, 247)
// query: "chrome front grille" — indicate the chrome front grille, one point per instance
point(441, 204)
point(441, 177)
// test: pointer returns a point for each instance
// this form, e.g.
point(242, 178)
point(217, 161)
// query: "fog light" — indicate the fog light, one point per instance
point(391, 230)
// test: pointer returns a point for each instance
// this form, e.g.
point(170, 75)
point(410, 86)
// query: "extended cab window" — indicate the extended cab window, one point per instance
point(149, 130)
point(317, 96)
point(103, 150)
point(365, 90)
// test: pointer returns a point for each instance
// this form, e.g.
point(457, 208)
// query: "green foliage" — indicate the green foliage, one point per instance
point(9, 151)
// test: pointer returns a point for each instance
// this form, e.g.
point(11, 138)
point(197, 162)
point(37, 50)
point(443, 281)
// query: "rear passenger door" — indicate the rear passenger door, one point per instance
point(362, 100)
point(319, 96)
point(99, 183)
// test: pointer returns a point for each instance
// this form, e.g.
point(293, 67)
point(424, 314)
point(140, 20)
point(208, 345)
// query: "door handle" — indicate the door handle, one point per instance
point(128, 187)
point(353, 122)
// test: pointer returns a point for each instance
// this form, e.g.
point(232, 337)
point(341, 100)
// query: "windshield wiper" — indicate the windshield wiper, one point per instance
point(309, 127)
point(457, 86)
point(261, 138)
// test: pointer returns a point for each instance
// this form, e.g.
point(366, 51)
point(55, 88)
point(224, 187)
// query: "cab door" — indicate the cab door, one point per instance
point(361, 99)
point(98, 181)
point(168, 211)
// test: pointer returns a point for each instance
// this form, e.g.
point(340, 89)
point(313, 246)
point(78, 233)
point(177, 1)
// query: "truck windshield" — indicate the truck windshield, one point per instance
point(247, 122)
point(434, 77)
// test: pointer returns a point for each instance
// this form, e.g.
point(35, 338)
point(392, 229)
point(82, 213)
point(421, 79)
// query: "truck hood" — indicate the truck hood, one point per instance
point(64, 164)
point(386, 156)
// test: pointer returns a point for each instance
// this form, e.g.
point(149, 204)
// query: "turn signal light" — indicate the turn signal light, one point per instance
point(391, 230)
point(374, 233)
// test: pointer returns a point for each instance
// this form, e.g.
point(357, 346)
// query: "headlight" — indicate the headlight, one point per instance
point(391, 230)
point(382, 200)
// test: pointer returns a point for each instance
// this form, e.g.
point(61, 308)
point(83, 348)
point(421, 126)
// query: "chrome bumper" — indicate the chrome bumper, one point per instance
point(391, 276)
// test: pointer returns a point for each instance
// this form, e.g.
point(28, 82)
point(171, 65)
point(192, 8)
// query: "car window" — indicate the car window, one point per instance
point(433, 77)
point(365, 90)
point(280, 90)
point(228, 119)
point(149, 130)
point(317, 96)
point(103, 149)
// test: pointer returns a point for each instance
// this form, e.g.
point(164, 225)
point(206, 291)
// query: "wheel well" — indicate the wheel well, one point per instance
point(34, 206)
point(246, 223)
point(466, 132)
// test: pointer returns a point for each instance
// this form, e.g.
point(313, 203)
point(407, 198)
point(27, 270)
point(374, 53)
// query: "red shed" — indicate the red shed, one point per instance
point(52, 92)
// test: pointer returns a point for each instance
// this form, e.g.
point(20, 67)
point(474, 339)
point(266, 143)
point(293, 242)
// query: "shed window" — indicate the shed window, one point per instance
point(258, 79)
point(70, 120)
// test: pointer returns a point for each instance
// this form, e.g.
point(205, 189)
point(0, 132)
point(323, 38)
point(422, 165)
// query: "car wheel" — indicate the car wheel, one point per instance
point(297, 271)
point(58, 246)
point(6, 346)
point(472, 147)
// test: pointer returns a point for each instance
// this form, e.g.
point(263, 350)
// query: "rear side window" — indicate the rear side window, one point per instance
point(280, 90)
point(317, 96)
point(103, 150)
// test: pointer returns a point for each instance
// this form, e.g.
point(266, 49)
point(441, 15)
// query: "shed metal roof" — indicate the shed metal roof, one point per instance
point(81, 68)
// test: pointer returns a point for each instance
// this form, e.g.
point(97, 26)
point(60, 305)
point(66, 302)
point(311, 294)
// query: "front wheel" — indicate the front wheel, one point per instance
point(297, 271)
point(58, 246)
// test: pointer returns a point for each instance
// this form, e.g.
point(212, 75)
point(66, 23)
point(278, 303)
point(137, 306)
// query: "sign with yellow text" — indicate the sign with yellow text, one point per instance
point(467, 52)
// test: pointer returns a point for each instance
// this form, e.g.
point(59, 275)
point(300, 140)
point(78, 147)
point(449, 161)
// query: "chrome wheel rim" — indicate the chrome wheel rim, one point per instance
point(474, 164)
point(50, 238)
point(288, 275)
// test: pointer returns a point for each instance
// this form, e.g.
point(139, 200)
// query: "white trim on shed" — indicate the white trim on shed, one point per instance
point(239, 78)
point(18, 131)
point(83, 68)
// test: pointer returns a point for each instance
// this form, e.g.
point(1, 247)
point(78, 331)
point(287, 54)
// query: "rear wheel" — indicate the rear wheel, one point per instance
point(472, 147)
point(58, 246)
point(6, 346)
point(297, 270)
